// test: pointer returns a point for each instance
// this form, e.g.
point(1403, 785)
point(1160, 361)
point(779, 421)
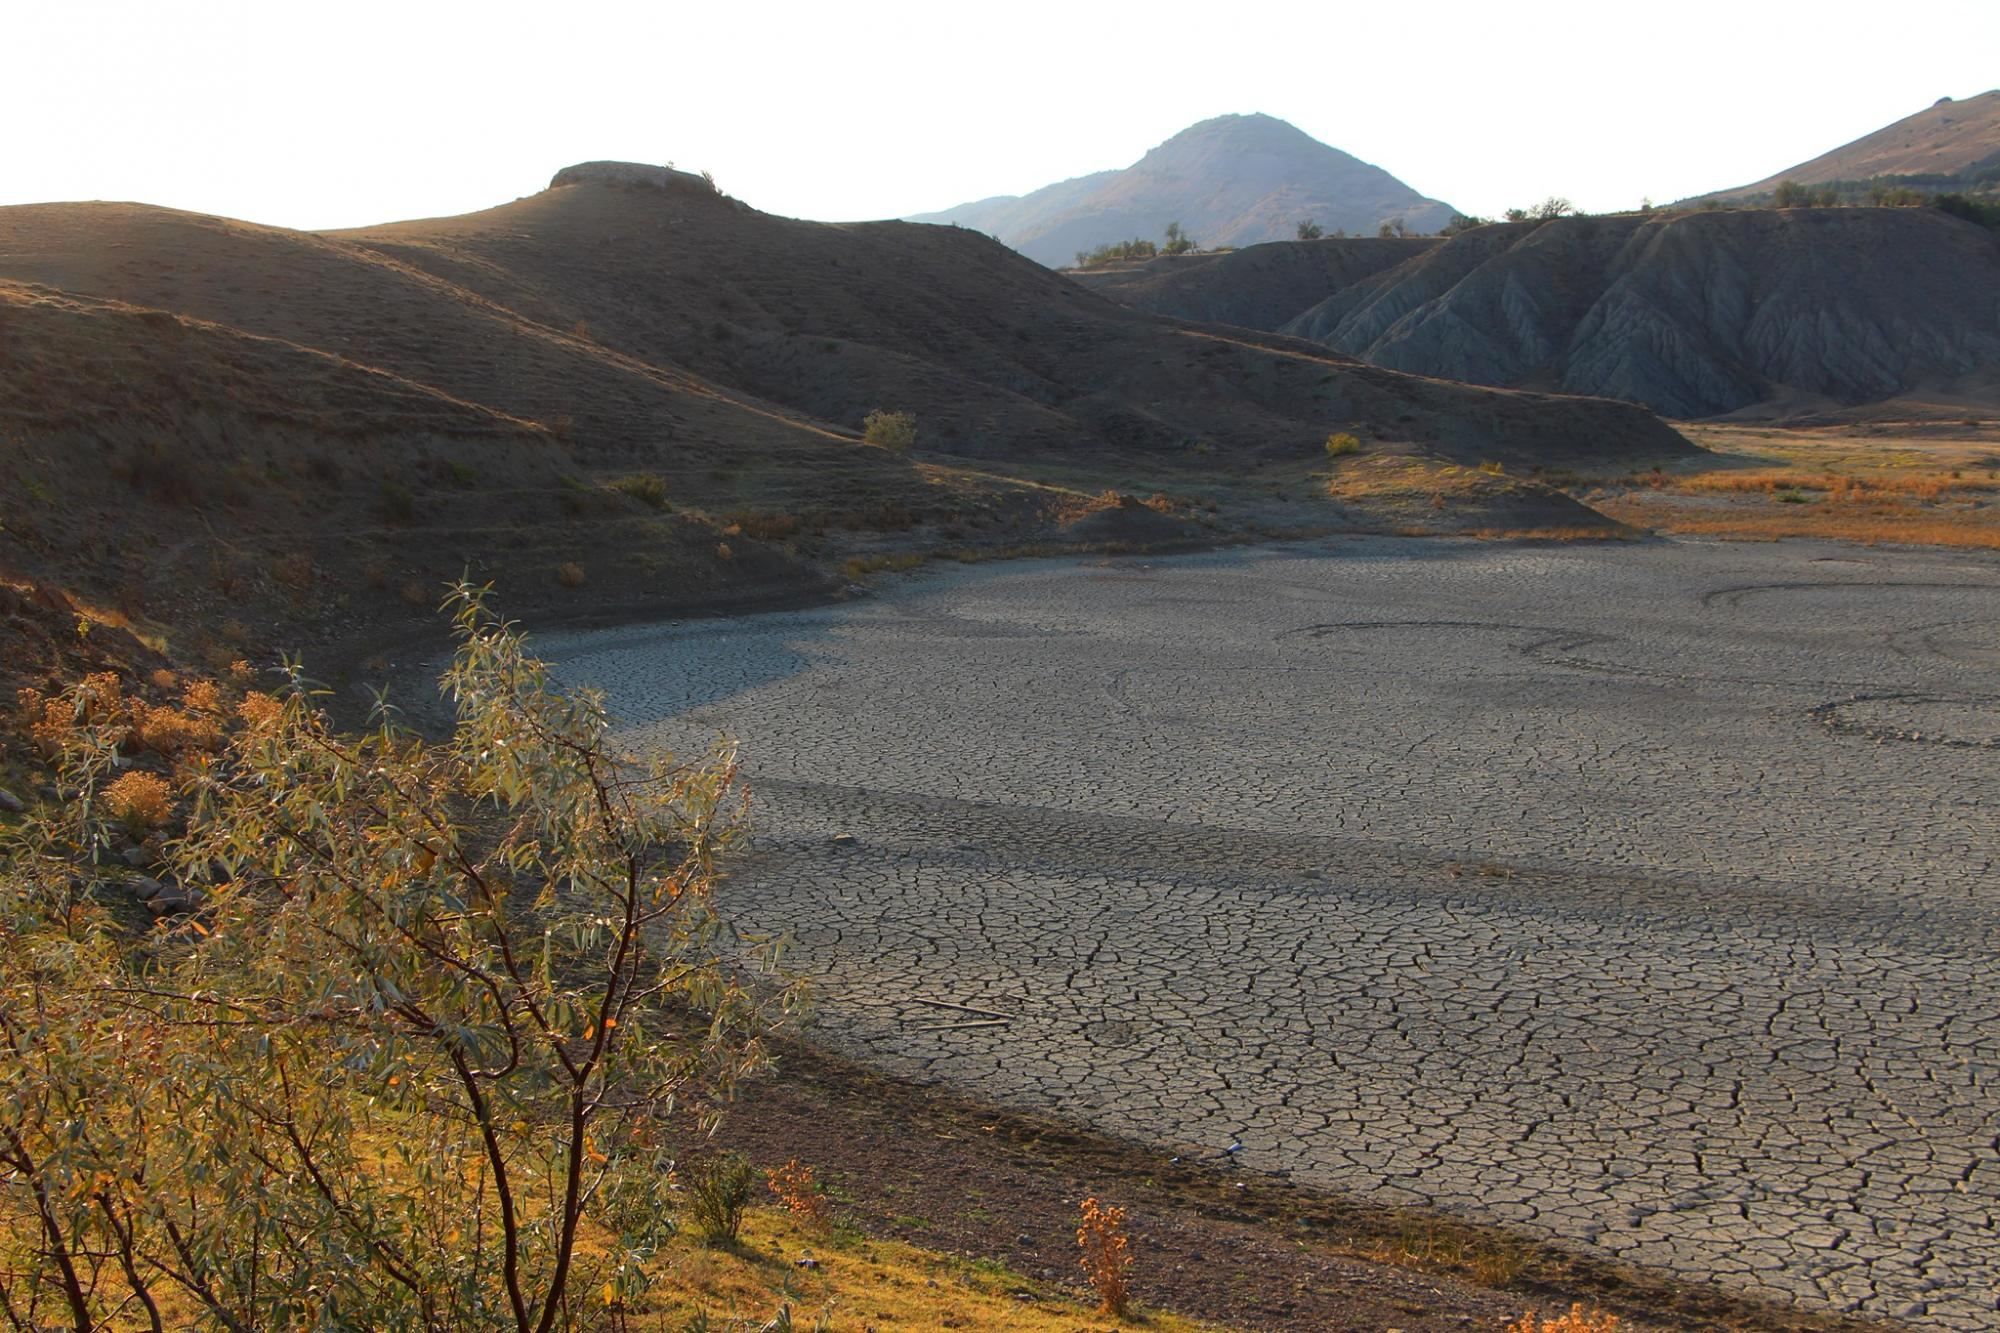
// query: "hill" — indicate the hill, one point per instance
point(630, 394)
point(1949, 144)
point(1691, 314)
point(1233, 180)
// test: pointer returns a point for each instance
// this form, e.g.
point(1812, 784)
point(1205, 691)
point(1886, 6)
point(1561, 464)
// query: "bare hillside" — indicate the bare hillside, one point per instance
point(629, 392)
point(1947, 139)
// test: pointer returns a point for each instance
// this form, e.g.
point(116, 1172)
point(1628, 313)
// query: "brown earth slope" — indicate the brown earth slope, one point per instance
point(1693, 314)
point(1946, 139)
point(628, 396)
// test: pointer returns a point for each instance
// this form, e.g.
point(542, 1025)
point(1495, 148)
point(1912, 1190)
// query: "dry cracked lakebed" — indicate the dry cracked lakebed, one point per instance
point(1640, 896)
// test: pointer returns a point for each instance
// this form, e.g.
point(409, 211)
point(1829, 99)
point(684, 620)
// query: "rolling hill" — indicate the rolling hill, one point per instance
point(1692, 314)
point(1946, 145)
point(628, 394)
point(1233, 180)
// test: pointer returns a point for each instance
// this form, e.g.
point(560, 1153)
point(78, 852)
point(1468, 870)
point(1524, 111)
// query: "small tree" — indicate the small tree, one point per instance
point(1460, 222)
point(1553, 207)
point(434, 1020)
point(890, 430)
point(1178, 241)
point(1393, 227)
point(1310, 230)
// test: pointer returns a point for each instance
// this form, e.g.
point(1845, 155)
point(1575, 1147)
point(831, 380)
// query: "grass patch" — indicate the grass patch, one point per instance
point(855, 1281)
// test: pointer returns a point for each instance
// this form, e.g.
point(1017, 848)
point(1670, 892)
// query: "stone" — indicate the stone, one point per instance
point(11, 803)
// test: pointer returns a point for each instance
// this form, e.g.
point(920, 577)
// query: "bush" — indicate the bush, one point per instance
point(890, 430)
point(644, 487)
point(719, 1189)
point(365, 1084)
point(1310, 230)
point(1340, 444)
point(1115, 252)
point(1791, 194)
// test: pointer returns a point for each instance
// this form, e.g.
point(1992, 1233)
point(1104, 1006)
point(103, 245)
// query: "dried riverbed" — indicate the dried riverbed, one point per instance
point(1642, 896)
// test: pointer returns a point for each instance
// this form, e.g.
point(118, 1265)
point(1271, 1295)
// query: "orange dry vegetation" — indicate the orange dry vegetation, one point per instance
point(1873, 489)
point(142, 800)
point(1107, 1254)
point(1577, 1320)
point(1907, 524)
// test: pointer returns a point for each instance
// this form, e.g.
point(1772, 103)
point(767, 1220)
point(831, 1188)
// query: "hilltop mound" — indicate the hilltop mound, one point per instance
point(1692, 314)
point(1233, 180)
point(617, 396)
point(1946, 144)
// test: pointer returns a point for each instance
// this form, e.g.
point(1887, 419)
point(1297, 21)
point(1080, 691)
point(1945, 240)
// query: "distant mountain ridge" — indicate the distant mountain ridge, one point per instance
point(1232, 180)
point(1946, 139)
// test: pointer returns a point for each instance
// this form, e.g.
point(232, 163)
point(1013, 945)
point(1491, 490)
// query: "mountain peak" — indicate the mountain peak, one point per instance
point(1233, 180)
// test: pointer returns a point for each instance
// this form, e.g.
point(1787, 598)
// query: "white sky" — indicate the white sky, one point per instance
point(328, 115)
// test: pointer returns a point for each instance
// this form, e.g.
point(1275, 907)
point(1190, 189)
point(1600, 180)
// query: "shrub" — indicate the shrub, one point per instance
point(719, 1189)
point(142, 801)
point(429, 1029)
point(644, 487)
point(1791, 194)
point(1340, 444)
point(1107, 1254)
point(891, 430)
point(1310, 230)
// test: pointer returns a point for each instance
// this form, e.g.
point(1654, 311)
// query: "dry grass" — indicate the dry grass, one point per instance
point(1765, 484)
point(856, 1282)
point(1902, 525)
point(1430, 1246)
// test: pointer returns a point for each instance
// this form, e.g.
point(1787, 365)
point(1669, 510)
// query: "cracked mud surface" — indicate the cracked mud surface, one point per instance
point(1643, 897)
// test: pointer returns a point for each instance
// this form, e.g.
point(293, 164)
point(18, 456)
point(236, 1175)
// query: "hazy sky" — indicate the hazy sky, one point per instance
point(327, 115)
